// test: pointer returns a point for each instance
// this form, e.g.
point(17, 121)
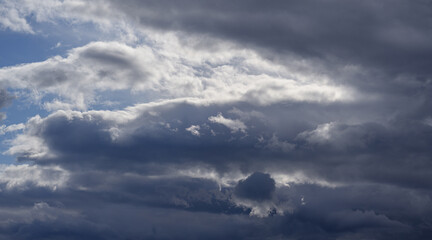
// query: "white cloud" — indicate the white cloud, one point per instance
point(194, 130)
point(11, 128)
point(28, 143)
point(167, 70)
point(31, 146)
point(235, 125)
point(15, 15)
point(13, 19)
point(321, 134)
point(23, 176)
point(96, 66)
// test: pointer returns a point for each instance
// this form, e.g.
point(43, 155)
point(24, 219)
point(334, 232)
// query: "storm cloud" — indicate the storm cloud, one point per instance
point(258, 187)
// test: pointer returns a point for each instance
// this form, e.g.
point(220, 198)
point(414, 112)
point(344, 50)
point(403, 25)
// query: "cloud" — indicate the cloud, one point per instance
point(14, 19)
point(194, 130)
point(354, 211)
point(298, 27)
point(235, 125)
point(137, 138)
point(24, 176)
point(11, 128)
point(5, 99)
point(262, 120)
point(257, 187)
point(97, 66)
point(100, 70)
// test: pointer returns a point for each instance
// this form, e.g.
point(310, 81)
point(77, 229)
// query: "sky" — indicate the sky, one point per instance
point(185, 119)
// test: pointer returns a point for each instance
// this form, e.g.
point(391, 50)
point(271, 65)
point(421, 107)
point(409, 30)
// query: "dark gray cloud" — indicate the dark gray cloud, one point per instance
point(120, 209)
point(377, 35)
point(257, 187)
point(378, 163)
point(382, 49)
point(395, 152)
point(358, 211)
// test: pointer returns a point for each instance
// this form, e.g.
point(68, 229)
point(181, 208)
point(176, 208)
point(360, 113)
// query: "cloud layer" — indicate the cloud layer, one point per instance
point(220, 120)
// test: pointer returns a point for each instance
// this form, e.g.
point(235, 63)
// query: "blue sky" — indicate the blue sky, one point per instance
point(215, 119)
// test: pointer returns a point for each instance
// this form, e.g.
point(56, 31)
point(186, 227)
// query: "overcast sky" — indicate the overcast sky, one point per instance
point(218, 119)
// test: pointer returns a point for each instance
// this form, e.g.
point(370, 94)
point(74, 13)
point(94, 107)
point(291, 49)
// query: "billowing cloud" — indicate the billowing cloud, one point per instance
point(92, 73)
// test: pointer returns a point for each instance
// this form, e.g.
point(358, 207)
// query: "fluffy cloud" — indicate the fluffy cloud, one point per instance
point(12, 18)
point(386, 35)
point(137, 137)
point(89, 74)
point(97, 66)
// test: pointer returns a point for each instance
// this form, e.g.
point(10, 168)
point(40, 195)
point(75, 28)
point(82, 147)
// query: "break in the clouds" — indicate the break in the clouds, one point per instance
point(216, 120)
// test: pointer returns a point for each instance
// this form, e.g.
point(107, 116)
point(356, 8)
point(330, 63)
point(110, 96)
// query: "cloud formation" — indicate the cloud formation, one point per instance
point(257, 187)
point(219, 120)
